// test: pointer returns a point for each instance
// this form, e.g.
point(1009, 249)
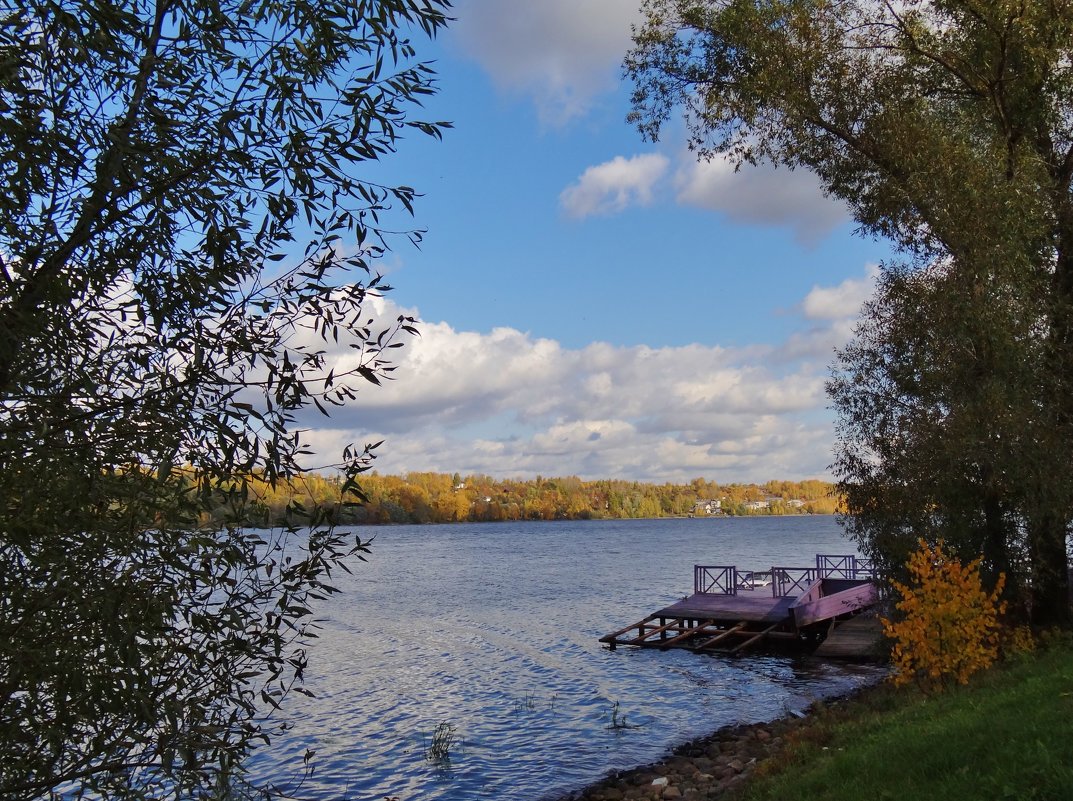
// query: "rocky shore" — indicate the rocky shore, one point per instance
point(706, 768)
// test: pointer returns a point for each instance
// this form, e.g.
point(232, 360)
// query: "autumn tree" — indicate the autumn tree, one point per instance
point(947, 626)
point(946, 127)
point(184, 233)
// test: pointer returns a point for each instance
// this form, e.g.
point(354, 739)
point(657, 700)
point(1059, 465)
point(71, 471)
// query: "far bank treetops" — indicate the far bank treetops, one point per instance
point(450, 498)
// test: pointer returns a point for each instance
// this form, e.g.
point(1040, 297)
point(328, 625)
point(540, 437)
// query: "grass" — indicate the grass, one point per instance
point(1007, 735)
point(618, 720)
point(443, 739)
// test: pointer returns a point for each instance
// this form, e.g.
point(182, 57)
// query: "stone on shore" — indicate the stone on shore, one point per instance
point(700, 770)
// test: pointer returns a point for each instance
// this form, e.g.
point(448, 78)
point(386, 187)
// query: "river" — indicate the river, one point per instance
point(492, 629)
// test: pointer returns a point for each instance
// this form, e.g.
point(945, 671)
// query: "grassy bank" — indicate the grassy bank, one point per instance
point(1009, 735)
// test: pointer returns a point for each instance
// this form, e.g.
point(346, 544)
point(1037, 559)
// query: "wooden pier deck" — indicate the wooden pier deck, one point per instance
point(860, 637)
point(731, 610)
point(753, 606)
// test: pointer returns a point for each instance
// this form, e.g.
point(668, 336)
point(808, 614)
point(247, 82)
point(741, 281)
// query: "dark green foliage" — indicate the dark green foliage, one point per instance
point(180, 183)
point(948, 128)
point(939, 433)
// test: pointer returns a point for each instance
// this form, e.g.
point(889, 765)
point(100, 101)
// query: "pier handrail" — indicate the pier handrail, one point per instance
point(785, 581)
point(715, 579)
point(866, 568)
point(845, 566)
point(791, 580)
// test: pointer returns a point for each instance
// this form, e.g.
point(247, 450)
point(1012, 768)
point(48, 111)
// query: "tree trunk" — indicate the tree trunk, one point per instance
point(995, 538)
point(1047, 534)
point(1050, 573)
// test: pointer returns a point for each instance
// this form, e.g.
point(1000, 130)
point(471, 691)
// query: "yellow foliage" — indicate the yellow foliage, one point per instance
point(950, 625)
point(1017, 641)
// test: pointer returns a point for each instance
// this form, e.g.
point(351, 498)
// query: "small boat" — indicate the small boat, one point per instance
point(754, 579)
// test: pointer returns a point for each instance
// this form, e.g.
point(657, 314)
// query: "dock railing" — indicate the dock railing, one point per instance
point(866, 568)
point(791, 580)
point(784, 581)
point(715, 579)
point(844, 566)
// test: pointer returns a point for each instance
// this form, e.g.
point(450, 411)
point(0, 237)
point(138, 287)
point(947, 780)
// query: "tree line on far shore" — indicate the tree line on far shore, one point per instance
point(452, 498)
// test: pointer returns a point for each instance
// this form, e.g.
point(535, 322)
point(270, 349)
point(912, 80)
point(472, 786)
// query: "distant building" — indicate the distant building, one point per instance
point(756, 506)
point(710, 507)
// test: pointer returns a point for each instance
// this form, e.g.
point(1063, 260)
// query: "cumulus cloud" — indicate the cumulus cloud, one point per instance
point(842, 301)
point(831, 314)
point(509, 404)
point(756, 195)
point(562, 53)
point(761, 195)
point(816, 343)
point(610, 187)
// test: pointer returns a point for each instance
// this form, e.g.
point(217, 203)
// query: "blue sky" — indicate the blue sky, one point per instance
point(595, 304)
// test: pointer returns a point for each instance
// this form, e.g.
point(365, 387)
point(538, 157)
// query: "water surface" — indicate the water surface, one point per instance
point(494, 628)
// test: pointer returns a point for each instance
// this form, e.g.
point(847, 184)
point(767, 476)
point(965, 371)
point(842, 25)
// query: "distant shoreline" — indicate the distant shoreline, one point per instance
point(371, 499)
point(592, 519)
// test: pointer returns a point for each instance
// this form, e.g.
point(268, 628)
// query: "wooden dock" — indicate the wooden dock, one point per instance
point(731, 610)
point(859, 637)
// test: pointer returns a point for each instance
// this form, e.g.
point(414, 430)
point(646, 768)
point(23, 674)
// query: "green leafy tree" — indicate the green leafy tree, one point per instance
point(945, 126)
point(938, 429)
point(183, 233)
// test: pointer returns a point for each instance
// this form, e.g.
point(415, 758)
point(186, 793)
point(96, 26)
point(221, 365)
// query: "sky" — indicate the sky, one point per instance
point(591, 303)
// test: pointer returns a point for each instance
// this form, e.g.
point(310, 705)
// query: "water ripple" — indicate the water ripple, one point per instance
point(493, 629)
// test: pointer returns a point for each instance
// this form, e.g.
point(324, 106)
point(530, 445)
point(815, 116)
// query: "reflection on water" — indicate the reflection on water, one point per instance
point(494, 629)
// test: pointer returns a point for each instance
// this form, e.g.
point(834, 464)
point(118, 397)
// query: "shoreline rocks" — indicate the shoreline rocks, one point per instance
point(705, 768)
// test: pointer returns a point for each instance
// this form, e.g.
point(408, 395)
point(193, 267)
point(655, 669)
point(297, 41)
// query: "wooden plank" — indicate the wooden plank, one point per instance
point(810, 595)
point(754, 638)
point(700, 628)
point(620, 632)
point(839, 603)
point(716, 639)
point(642, 636)
point(754, 606)
point(857, 638)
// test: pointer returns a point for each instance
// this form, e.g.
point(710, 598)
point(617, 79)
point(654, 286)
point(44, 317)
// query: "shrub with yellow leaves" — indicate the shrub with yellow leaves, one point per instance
point(949, 629)
point(1017, 642)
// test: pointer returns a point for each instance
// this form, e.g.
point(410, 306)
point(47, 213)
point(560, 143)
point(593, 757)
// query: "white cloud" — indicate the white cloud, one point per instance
point(833, 313)
point(761, 195)
point(817, 343)
point(610, 187)
point(756, 195)
point(509, 404)
point(842, 301)
point(563, 53)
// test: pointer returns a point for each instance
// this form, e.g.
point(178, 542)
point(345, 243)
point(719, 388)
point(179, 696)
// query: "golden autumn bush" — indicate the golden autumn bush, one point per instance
point(1017, 641)
point(949, 626)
